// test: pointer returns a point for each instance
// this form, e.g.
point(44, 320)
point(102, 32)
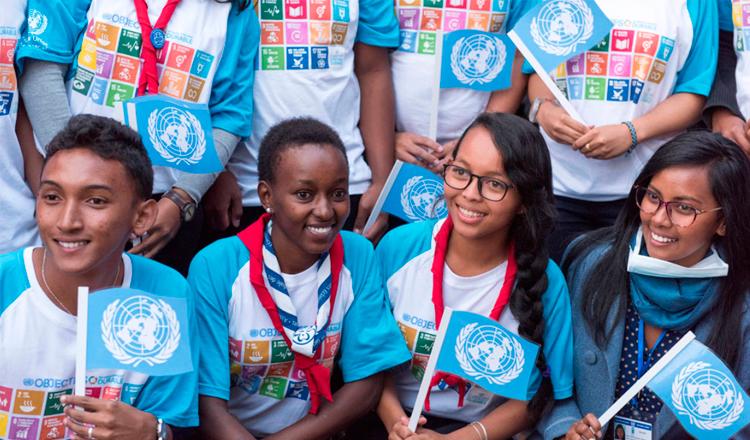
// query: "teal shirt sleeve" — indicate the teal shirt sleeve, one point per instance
point(402, 244)
point(172, 398)
point(725, 15)
point(370, 341)
point(558, 336)
point(697, 75)
point(13, 280)
point(519, 8)
point(378, 25)
point(211, 275)
point(231, 101)
point(54, 30)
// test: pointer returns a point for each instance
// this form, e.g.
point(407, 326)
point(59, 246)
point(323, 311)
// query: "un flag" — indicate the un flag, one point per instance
point(482, 351)
point(477, 60)
point(176, 134)
point(414, 193)
point(133, 330)
point(702, 393)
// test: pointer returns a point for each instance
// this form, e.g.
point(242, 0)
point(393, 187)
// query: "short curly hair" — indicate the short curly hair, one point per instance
point(109, 140)
point(294, 133)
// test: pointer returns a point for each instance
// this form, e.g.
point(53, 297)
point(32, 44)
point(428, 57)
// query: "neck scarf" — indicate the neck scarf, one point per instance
point(438, 268)
point(152, 39)
point(303, 341)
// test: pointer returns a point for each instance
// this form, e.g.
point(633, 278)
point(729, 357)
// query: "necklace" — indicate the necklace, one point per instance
point(49, 289)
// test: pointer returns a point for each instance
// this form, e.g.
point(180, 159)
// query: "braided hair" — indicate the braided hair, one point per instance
point(527, 162)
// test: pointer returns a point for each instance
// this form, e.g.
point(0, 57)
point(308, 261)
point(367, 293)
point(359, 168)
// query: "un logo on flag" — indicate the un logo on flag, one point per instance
point(486, 352)
point(140, 330)
point(707, 396)
point(177, 135)
point(561, 25)
point(420, 199)
point(477, 59)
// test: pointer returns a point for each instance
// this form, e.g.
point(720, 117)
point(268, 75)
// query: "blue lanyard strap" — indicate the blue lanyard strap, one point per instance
point(644, 366)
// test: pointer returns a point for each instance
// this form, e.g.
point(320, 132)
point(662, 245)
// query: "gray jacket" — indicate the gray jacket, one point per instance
point(596, 370)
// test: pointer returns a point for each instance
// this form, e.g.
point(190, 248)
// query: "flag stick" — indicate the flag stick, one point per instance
point(81, 334)
point(382, 196)
point(646, 378)
point(430, 370)
point(435, 101)
point(544, 76)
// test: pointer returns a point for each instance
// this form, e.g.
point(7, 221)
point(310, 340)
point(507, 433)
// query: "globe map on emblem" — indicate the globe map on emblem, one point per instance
point(490, 351)
point(479, 55)
point(140, 326)
point(708, 395)
point(176, 133)
point(561, 23)
point(421, 199)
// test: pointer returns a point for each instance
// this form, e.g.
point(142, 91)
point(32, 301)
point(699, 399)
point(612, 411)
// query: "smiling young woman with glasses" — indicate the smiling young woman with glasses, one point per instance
point(489, 253)
point(675, 260)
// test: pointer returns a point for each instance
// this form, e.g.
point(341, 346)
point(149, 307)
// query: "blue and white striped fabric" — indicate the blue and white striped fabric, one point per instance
point(306, 339)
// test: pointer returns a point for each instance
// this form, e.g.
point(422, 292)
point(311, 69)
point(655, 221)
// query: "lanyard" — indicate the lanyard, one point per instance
point(438, 269)
point(644, 364)
point(153, 39)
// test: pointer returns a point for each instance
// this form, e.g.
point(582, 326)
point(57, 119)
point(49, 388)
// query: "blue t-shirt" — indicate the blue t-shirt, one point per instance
point(39, 367)
point(246, 361)
point(406, 255)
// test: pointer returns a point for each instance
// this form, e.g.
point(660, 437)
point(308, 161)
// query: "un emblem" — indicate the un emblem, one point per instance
point(177, 135)
point(707, 396)
point(486, 352)
point(140, 330)
point(420, 199)
point(561, 25)
point(477, 59)
point(37, 22)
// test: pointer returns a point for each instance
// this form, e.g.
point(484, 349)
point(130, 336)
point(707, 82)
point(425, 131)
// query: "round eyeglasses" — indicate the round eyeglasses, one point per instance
point(680, 213)
point(490, 188)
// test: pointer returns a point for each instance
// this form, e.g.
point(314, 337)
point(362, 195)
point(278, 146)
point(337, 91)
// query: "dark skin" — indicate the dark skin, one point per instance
point(310, 203)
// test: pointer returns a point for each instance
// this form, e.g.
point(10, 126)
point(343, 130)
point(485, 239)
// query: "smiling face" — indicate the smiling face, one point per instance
point(309, 197)
point(86, 209)
point(475, 217)
point(685, 246)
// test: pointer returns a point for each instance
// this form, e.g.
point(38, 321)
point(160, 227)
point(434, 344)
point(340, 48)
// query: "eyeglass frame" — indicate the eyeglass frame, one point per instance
point(667, 205)
point(508, 186)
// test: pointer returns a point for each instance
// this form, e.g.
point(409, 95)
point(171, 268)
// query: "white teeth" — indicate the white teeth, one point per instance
point(661, 239)
point(319, 230)
point(71, 244)
point(472, 214)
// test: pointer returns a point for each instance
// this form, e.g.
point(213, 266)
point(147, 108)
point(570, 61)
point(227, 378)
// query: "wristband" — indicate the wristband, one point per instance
point(633, 136)
point(483, 433)
point(161, 429)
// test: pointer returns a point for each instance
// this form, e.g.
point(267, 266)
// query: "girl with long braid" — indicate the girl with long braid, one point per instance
point(498, 189)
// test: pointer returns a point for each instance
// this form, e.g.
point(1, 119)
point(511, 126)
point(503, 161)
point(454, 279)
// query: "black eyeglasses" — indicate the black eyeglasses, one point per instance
point(490, 188)
point(680, 213)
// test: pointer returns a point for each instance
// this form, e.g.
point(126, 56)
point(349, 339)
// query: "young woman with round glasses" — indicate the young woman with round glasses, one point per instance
point(489, 253)
point(674, 261)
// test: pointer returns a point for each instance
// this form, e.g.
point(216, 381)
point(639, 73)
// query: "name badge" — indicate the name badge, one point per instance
point(631, 429)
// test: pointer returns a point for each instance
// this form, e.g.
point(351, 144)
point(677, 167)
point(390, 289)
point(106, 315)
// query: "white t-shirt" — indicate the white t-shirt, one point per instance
point(17, 212)
point(656, 49)
point(37, 342)
point(305, 67)
point(741, 21)
point(413, 63)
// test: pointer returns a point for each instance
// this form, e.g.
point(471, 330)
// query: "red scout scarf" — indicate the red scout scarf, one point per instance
point(152, 39)
point(318, 376)
point(438, 267)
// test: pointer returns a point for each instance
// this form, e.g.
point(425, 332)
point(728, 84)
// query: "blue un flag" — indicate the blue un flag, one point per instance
point(482, 351)
point(702, 393)
point(414, 193)
point(557, 30)
point(177, 134)
point(133, 330)
point(476, 60)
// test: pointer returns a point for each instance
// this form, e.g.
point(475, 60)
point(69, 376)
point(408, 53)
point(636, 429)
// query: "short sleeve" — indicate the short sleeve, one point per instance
point(212, 285)
point(175, 398)
point(519, 8)
point(558, 335)
point(725, 15)
point(231, 101)
point(54, 30)
point(697, 75)
point(378, 25)
point(371, 341)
